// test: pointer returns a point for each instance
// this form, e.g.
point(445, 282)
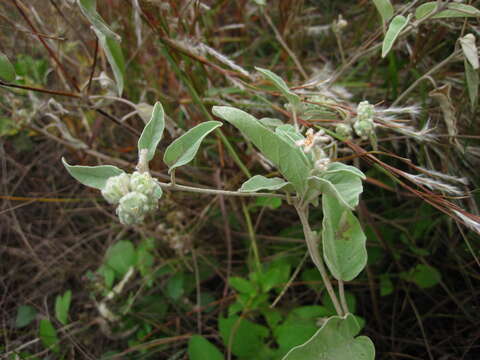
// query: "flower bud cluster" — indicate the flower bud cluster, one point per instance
point(313, 144)
point(136, 194)
point(364, 125)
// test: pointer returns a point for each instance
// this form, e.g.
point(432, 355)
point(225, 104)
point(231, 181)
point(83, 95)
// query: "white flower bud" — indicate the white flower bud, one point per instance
point(132, 208)
point(364, 128)
point(116, 187)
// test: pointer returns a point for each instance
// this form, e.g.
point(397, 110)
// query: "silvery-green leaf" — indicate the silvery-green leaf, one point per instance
point(394, 29)
point(89, 9)
point(472, 84)
point(289, 159)
point(385, 9)
point(343, 240)
point(7, 71)
point(344, 185)
point(115, 58)
point(153, 131)
point(469, 48)
point(280, 85)
point(92, 176)
point(271, 122)
point(338, 166)
point(184, 149)
point(259, 182)
point(335, 340)
point(453, 10)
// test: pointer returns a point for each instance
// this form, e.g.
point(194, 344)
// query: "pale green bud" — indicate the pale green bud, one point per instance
point(132, 208)
point(365, 111)
point(364, 128)
point(344, 130)
point(148, 186)
point(116, 187)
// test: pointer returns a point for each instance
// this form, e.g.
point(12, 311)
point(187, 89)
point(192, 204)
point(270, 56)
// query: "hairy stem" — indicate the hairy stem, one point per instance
point(312, 243)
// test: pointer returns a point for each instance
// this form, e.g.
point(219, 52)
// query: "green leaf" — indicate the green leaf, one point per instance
point(153, 131)
point(242, 285)
point(176, 286)
point(472, 84)
point(48, 336)
point(246, 336)
point(280, 85)
point(121, 256)
point(200, 348)
point(25, 315)
point(289, 159)
point(259, 182)
point(335, 340)
point(386, 285)
point(62, 306)
point(7, 71)
point(184, 149)
point(92, 176)
point(385, 9)
point(267, 201)
point(424, 276)
point(340, 185)
point(343, 240)
point(453, 10)
point(89, 9)
point(394, 29)
point(115, 58)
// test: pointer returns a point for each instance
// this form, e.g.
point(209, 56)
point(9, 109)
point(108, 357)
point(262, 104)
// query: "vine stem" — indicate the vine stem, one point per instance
point(312, 243)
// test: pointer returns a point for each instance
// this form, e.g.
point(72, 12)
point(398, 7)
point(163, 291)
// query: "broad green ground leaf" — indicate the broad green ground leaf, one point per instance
point(89, 9)
point(289, 159)
point(343, 240)
point(62, 306)
point(452, 10)
point(394, 29)
point(280, 85)
point(386, 285)
point(259, 182)
point(242, 285)
point(176, 286)
point(385, 9)
point(115, 58)
point(25, 315)
point(92, 176)
point(335, 340)
point(121, 256)
point(153, 131)
point(472, 78)
point(7, 71)
point(183, 150)
point(48, 335)
point(200, 348)
point(424, 276)
point(267, 201)
point(247, 337)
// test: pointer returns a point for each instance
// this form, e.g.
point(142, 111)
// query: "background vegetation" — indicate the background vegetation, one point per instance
point(66, 288)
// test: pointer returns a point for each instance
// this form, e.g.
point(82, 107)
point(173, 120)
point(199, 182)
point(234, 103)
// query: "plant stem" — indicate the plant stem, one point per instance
point(177, 187)
point(343, 300)
point(312, 243)
point(251, 233)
